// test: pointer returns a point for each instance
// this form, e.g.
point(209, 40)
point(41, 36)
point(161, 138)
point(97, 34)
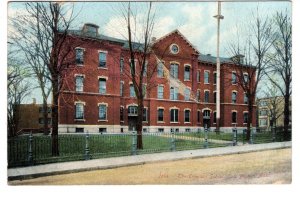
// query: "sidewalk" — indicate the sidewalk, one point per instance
point(78, 166)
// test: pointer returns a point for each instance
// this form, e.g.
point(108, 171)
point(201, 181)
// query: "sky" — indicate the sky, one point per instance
point(193, 19)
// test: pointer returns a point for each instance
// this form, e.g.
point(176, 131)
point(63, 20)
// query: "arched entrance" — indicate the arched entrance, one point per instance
point(132, 118)
point(206, 118)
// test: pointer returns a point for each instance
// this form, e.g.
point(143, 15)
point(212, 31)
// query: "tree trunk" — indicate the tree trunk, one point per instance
point(286, 113)
point(139, 124)
point(250, 117)
point(55, 95)
point(45, 117)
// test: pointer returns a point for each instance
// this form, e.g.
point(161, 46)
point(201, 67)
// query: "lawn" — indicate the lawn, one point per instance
point(73, 146)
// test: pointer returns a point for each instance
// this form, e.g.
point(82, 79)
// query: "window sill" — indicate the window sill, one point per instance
point(160, 122)
point(122, 121)
point(234, 84)
point(206, 83)
point(174, 122)
point(103, 68)
point(187, 122)
point(79, 120)
point(80, 65)
point(102, 120)
point(234, 123)
point(186, 80)
point(145, 121)
point(244, 123)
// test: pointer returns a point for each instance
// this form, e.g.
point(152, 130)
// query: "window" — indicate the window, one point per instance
point(206, 114)
point(121, 88)
point(187, 130)
point(161, 130)
point(263, 113)
point(144, 90)
point(186, 73)
point(187, 115)
point(102, 130)
point(206, 96)
point(132, 110)
point(187, 93)
point(91, 30)
point(245, 98)
point(263, 103)
point(121, 113)
point(79, 111)
point(246, 78)
point(198, 76)
point(215, 78)
point(245, 117)
point(145, 116)
point(102, 112)
point(263, 122)
point(233, 78)
point(79, 130)
point(145, 130)
point(215, 117)
point(41, 120)
point(173, 93)
point(233, 97)
point(174, 115)
point(102, 86)
point(198, 95)
point(160, 92)
point(145, 68)
point(174, 49)
point(206, 77)
point(102, 59)
point(233, 117)
point(160, 70)
point(132, 92)
point(215, 97)
point(174, 71)
point(160, 115)
point(198, 116)
point(131, 66)
point(79, 56)
point(79, 83)
point(121, 65)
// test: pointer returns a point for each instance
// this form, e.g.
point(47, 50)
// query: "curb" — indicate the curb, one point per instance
point(125, 161)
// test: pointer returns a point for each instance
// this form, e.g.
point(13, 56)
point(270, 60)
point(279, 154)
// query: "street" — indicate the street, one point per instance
point(265, 167)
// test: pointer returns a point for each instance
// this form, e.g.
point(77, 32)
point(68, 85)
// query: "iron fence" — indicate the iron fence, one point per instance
point(36, 149)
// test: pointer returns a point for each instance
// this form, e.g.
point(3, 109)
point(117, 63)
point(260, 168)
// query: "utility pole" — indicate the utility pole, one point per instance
point(218, 107)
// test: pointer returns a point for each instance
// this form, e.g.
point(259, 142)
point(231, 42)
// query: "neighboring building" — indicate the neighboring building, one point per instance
point(98, 96)
point(31, 116)
point(270, 111)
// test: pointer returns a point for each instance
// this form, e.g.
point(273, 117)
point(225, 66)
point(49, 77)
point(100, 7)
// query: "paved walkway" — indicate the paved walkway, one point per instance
point(77, 166)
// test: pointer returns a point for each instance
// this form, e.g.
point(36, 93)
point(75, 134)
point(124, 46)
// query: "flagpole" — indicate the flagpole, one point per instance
point(218, 104)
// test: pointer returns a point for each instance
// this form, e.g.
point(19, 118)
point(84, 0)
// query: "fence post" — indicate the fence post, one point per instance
point(206, 136)
point(273, 133)
point(30, 152)
point(251, 134)
point(134, 143)
point(87, 148)
point(234, 141)
point(173, 145)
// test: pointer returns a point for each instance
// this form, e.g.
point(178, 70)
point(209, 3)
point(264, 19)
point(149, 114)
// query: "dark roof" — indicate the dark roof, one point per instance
point(124, 43)
point(213, 59)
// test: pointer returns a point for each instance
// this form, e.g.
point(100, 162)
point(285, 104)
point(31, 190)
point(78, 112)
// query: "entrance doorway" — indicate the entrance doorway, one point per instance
point(206, 118)
point(132, 118)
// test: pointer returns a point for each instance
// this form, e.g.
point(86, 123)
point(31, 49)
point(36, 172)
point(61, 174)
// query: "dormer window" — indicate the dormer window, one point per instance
point(174, 48)
point(90, 29)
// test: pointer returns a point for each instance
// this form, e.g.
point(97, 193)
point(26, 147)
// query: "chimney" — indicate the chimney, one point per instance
point(90, 29)
point(33, 101)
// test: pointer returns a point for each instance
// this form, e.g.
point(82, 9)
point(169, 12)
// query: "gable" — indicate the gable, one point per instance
point(168, 44)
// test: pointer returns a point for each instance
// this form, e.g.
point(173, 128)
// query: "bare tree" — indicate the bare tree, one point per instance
point(281, 63)
point(17, 89)
point(50, 33)
point(251, 66)
point(24, 35)
point(273, 104)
